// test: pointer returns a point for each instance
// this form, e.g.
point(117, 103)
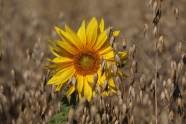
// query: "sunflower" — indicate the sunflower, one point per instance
point(83, 60)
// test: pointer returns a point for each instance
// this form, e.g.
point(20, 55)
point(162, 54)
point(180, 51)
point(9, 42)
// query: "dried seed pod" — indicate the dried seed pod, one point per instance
point(117, 59)
point(131, 120)
point(171, 116)
point(132, 92)
point(163, 98)
point(180, 67)
point(103, 66)
point(131, 54)
point(132, 72)
point(113, 119)
point(154, 7)
point(134, 48)
point(116, 122)
point(150, 3)
point(176, 13)
point(83, 118)
point(93, 111)
point(109, 31)
point(98, 90)
point(183, 56)
point(173, 65)
point(155, 31)
point(116, 111)
point(104, 118)
point(180, 102)
point(74, 81)
point(142, 83)
point(167, 94)
point(95, 80)
point(87, 119)
point(159, 45)
point(146, 30)
point(134, 66)
point(141, 96)
point(124, 44)
point(115, 47)
point(70, 115)
point(117, 82)
point(115, 69)
point(173, 74)
point(112, 40)
point(105, 85)
point(124, 109)
point(152, 84)
point(120, 101)
point(164, 83)
point(98, 119)
point(179, 47)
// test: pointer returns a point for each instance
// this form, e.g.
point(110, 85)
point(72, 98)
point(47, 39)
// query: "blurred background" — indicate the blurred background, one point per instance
point(27, 25)
point(24, 22)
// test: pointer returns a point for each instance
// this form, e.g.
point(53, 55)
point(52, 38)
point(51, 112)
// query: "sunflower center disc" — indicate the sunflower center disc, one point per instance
point(86, 62)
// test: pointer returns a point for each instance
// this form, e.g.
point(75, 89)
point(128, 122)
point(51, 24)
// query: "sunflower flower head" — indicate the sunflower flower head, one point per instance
point(85, 61)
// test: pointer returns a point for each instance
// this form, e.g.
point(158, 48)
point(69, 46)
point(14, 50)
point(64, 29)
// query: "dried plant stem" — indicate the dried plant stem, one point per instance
point(143, 52)
point(156, 100)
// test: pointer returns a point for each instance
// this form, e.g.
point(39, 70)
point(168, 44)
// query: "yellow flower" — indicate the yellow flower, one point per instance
point(79, 60)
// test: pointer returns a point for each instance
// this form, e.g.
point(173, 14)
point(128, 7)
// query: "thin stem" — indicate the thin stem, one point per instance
point(156, 100)
point(143, 52)
point(166, 61)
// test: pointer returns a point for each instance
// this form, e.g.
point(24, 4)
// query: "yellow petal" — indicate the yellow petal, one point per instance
point(87, 90)
point(111, 82)
point(62, 60)
point(65, 47)
point(101, 40)
point(107, 53)
point(71, 89)
point(101, 26)
point(82, 34)
point(62, 77)
point(90, 78)
point(80, 82)
point(73, 38)
point(62, 34)
point(91, 32)
point(116, 33)
point(58, 87)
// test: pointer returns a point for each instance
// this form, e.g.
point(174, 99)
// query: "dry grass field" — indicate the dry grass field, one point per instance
point(27, 25)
